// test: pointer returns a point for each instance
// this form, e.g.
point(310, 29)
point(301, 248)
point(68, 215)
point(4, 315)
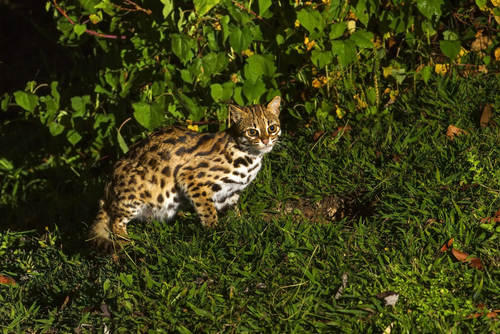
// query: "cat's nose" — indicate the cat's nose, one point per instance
point(265, 141)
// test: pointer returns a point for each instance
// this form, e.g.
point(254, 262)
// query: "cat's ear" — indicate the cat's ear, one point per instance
point(236, 113)
point(274, 105)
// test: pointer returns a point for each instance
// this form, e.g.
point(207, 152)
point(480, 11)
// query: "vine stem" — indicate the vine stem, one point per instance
point(90, 32)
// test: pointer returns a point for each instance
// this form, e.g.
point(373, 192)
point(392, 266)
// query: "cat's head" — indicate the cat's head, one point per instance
point(257, 127)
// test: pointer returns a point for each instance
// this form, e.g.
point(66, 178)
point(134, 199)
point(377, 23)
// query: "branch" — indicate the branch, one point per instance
point(90, 32)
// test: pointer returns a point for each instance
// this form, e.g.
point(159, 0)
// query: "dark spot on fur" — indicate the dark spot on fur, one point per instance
point(166, 171)
point(240, 161)
point(169, 141)
point(176, 170)
point(160, 198)
point(180, 152)
point(200, 175)
point(216, 188)
point(131, 197)
point(162, 183)
point(202, 165)
point(236, 173)
point(195, 195)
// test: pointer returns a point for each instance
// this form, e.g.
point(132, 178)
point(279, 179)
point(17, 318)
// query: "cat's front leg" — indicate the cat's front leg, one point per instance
point(201, 198)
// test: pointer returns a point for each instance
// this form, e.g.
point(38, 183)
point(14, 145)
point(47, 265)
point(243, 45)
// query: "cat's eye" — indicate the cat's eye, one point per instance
point(272, 129)
point(252, 132)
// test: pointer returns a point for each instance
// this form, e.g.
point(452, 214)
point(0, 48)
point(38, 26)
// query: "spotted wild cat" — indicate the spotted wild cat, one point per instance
point(175, 168)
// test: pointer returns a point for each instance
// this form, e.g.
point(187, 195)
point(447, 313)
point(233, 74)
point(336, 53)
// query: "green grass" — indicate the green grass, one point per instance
point(406, 190)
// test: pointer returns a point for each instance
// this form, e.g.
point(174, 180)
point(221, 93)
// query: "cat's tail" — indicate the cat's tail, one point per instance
point(100, 237)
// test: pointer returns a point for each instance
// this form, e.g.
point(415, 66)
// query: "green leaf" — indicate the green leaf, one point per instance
point(429, 8)
point(55, 128)
point(26, 100)
point(362, 39)
point(261, 66)
point(203, 6)
point(5, 101)
point(149, 115)
point(222, 92)
point(89, 5)
point(253, 91)
point(73, 136)
point(320, 58)
point(481, 3)
point(450, 48)
point(79, 28)
point(55, 93)
point(337, 30)
point(121, 142)
point(345, 50)
point(213, 63)
point(240, 39)
point(182, 46)
point(168, 8)
point(264, 6)
point(294, 113)
point(361, 11)
point(201, 312)
point(79, 105)
point(309, 19)
point(216, 92)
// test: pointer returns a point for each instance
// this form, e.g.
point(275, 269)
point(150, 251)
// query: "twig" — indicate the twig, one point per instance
point(248, 10)
point(137, 7)
point(90, 32)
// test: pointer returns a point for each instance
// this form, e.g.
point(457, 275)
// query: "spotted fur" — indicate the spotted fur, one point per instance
point(175, 168)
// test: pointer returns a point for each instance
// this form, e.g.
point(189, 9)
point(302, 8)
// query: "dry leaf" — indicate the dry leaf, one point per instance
point(341, 129)
point(390, 297)
point(447, 245)
point(486, 116)
point(464, 257)
point(453, 130)
point(490, 315)
point(495, 219)
point(317, 135)
point(343, 286)
point(7, 280)
point(481, 43)
point(388, 329)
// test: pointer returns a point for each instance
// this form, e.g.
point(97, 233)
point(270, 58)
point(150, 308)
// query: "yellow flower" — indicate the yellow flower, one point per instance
point(248, 52)
point(319, 82)
point(441, 68)
point(497, 54)
point(340, 112)
point(193, 127)
point(308, 43)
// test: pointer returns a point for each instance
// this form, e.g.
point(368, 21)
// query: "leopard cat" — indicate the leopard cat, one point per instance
point(174, 169)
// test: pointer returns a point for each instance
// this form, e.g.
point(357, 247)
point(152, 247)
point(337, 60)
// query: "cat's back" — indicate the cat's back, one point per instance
point(170, 145)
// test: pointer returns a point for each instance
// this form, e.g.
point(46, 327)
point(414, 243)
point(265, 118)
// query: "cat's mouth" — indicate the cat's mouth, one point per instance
point(265, 148)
